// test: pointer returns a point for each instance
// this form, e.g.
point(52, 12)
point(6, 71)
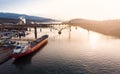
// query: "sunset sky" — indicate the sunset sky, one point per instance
point(64, 9)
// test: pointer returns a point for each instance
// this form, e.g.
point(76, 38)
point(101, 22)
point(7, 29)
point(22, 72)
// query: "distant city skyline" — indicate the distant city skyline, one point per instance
point(64, 9)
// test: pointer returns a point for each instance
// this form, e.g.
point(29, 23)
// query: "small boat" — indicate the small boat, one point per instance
point(23, 50)
point(6, 42)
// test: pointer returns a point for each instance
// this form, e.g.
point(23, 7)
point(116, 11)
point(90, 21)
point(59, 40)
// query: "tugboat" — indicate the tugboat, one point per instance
point(20, 51)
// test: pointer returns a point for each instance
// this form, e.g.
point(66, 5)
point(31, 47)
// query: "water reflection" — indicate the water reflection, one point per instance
point(93, 38)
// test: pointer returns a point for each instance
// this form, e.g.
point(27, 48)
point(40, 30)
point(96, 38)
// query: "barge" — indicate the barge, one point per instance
point(20, 51)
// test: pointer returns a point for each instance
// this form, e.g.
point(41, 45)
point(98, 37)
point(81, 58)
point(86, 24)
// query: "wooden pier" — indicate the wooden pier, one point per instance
point(22, 39)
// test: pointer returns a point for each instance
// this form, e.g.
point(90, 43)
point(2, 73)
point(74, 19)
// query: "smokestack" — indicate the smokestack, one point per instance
point(22, 20)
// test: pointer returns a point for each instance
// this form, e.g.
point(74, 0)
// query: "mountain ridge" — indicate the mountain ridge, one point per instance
point(107, 27)
point(8, 15)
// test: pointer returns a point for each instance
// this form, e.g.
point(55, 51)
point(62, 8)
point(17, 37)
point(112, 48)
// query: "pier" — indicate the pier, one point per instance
point(56, 26)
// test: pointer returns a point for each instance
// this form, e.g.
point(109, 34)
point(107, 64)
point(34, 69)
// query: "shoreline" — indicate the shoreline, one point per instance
point(106, 29)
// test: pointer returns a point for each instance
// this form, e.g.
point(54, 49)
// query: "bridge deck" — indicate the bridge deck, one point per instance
point(27, 25)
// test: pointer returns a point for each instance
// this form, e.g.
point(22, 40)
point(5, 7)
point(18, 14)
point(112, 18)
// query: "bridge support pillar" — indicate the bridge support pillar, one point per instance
point(35, 32)
point(70, 28)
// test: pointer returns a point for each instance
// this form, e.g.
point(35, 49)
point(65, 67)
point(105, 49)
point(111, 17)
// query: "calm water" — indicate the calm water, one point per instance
point(73, 52)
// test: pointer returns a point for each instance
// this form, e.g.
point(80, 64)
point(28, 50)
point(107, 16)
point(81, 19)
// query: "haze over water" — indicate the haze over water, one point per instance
point(78, 51)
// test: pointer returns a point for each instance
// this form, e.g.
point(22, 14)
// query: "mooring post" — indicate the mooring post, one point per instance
point(40, 30)
point(35, 32)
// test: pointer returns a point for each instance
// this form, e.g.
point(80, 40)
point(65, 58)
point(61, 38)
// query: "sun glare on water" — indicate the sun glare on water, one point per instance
point(93, 39)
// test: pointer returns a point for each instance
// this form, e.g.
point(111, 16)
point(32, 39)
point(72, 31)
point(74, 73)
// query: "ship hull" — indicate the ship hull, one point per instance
point(33, 49)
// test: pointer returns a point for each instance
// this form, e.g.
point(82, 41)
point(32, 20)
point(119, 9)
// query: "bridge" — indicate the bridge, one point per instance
point(35, 26)
point(27, 25)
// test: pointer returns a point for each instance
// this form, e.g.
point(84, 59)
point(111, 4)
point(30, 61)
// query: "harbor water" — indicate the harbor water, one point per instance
point(73, 51)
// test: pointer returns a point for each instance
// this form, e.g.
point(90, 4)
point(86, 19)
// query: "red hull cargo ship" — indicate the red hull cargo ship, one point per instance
point(20, 51)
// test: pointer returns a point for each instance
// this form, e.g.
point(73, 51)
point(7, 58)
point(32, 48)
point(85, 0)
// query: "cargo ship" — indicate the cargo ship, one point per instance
point(22, 50)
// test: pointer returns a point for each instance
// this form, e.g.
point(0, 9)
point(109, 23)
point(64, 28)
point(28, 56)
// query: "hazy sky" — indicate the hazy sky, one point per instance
point(64, 9)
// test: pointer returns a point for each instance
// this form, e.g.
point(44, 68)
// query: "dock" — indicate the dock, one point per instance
point(22, 39)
